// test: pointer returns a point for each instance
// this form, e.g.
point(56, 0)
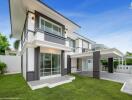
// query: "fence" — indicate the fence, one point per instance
point(124, 69)
point(13, 63)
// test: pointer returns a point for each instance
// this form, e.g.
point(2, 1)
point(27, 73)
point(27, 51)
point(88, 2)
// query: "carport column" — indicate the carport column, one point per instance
point(110, 65)
point(96, 64)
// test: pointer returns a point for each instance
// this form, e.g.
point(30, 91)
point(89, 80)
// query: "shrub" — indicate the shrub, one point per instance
point(104, 63)
point(2, 67)
point(116, 63)
point(129, 61)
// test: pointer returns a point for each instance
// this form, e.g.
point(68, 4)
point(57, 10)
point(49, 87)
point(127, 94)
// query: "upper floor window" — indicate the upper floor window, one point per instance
point(71, 44)
point(50, 27)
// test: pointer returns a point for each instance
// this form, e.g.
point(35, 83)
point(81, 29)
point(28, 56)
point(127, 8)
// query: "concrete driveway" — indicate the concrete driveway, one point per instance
point(117, 77)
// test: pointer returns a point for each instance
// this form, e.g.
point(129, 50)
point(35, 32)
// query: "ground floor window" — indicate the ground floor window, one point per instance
point(49, 64)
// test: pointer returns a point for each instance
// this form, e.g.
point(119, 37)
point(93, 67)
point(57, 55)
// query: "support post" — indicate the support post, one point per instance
point(96, 64)
point(63, 69)
point(68, 64)
point(110, 65)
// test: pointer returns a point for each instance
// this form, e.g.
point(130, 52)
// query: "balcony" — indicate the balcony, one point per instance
point(46, 39)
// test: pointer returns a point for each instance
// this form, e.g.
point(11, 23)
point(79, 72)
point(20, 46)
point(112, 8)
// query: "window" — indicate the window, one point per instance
point(42, 24)
point(72, 44)
point(49, 64)
point(89, 61)
point(50, 27)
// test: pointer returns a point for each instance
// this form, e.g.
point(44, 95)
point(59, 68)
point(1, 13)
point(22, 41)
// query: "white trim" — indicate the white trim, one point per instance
point(123, 87)
point(50, 76)
point(11, 73)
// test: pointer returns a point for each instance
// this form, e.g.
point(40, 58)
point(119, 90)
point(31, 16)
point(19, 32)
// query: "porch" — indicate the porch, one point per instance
point(50, 82)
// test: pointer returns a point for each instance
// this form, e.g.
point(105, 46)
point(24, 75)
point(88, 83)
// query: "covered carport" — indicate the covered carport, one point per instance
point(109, 54)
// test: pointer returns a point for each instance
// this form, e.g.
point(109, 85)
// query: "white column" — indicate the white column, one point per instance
point(122, 60)
point(119, 61)
point(125, 61)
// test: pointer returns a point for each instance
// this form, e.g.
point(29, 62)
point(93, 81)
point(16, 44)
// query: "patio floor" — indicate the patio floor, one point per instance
point(50, 82)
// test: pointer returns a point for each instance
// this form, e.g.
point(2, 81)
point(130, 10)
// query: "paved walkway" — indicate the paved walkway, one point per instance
point(126, 79)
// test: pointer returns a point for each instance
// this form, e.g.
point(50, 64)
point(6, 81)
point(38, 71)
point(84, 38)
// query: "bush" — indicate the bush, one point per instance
point(105, 63)
point(2, 67)
point(129, 61)
point(116, 63)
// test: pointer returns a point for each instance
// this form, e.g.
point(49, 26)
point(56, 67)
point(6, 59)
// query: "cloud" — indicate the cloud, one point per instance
point(112, 28)
point(117, 40)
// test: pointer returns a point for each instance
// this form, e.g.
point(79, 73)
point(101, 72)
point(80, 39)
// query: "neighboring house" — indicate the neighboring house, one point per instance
point(12, 52)
point(50, 46)
point(99, 47)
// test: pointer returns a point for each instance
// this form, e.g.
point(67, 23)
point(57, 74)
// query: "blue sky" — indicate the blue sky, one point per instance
point(105, 21)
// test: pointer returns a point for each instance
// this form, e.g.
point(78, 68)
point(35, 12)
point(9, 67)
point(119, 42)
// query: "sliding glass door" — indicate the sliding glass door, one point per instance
point(49, 64)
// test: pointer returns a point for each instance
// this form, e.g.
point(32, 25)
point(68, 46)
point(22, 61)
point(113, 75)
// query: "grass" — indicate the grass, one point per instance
point(83, 88)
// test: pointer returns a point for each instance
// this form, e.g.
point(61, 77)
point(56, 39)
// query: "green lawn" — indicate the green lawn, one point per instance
point(83, 88)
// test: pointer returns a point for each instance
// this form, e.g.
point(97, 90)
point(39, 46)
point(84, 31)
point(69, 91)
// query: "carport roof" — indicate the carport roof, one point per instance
point(105, 53)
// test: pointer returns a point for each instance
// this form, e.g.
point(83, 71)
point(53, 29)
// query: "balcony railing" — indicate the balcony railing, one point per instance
point(44, 36)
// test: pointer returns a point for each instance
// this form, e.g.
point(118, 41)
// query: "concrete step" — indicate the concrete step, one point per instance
point(50, 82)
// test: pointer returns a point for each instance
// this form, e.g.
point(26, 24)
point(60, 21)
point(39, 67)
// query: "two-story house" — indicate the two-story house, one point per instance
point(49, 45)
point(43, 34)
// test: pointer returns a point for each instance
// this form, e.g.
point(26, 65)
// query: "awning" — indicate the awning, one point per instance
point(106, 53)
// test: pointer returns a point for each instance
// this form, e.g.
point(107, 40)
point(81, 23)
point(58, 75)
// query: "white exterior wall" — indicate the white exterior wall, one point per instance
point(65, 62)
point(39, 36)
point(123, 69)
point(31, 21)
point(79, 46)
point(30, 36)
point(13, 63)
point(31, 26)
point(90, 46)
point(85, 44)
point(86, 65)
point(24, 64)
point(30, 59)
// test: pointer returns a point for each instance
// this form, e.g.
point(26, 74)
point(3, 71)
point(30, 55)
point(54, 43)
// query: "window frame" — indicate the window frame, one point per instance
point(40, 26)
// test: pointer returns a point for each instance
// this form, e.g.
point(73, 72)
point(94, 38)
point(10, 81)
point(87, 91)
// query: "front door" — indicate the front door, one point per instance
point(49, 65)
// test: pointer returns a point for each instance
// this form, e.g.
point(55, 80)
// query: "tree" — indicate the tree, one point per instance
point(16, 44)
point(4, 44)
point(128, 53)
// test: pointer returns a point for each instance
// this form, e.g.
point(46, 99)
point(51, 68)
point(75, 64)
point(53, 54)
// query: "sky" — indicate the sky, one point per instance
point(106, 22)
